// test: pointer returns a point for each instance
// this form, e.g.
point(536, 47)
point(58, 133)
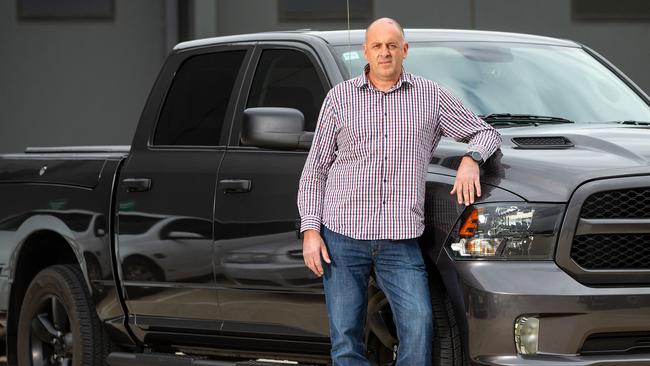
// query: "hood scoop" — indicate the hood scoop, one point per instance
point(542, 142)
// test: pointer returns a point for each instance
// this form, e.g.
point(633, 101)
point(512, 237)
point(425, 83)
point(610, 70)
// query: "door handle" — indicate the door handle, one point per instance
point(136, 184)
point(235, 185)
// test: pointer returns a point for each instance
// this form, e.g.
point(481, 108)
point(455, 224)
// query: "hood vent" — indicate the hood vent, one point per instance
point(543, 142)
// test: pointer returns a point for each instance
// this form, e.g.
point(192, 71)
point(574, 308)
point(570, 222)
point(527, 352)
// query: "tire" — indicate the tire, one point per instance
point(58, 324)
point(446, 347)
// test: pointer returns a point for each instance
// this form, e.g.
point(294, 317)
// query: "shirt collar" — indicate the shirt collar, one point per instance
point(404, 78)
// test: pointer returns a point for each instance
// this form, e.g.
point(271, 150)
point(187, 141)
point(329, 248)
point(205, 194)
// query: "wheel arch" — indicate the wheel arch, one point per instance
point(39, 250)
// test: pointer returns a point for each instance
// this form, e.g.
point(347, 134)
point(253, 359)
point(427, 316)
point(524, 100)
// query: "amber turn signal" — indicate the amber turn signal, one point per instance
point(469, 227)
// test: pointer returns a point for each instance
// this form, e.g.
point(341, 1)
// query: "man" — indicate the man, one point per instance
point(361, 194)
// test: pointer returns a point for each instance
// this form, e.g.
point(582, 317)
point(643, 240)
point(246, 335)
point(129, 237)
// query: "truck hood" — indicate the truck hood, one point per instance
point(551, 174)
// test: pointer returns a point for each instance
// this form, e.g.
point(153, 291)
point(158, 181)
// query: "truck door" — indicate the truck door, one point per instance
point(166, 195)
point(264, 286)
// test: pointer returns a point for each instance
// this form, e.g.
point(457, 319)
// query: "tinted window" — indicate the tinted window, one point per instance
point(287, 78)
point(196, 104)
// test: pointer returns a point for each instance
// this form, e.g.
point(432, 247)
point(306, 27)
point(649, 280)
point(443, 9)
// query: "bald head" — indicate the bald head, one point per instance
point(383, 25)
point(385, 49)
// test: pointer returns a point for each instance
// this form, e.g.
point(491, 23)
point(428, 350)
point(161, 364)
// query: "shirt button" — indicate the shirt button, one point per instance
point(384, 180)
point(383, 203)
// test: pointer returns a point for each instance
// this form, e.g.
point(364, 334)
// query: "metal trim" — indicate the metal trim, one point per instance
point(613, 226)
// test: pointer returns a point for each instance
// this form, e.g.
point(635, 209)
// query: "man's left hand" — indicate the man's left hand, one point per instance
point(467, 184)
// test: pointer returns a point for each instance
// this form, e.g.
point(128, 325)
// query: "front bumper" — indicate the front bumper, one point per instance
point(495, 293)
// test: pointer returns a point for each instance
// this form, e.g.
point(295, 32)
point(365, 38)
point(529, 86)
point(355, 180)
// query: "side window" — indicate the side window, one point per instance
point(287, 78)
point(196, 104)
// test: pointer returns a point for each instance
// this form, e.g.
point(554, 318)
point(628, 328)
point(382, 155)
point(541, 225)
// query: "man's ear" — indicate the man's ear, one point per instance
point(406, 49)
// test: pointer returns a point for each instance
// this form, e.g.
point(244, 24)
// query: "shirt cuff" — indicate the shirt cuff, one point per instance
point(310, 222)
point(480, 150)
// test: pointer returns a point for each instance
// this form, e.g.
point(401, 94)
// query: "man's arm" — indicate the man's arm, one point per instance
point(311, 189)
point(461, 124)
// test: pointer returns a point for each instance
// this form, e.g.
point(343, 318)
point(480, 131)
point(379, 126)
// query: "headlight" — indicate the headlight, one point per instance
point(507, 231)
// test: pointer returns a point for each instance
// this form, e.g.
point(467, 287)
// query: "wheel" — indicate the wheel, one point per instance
point(381, 334)
point(58, 324)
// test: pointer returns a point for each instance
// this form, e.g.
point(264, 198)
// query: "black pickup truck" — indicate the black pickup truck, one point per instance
point(184, 248)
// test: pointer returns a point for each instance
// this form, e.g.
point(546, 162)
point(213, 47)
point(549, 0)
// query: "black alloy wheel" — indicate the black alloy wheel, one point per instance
point(381, 334)
point(58, 324)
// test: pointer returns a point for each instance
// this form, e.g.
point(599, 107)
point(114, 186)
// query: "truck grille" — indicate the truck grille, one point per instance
point(605, 237)
point(627, 203)
point(612, 251)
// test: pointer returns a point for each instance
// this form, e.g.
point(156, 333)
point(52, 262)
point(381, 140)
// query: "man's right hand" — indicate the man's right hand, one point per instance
point(313, 247)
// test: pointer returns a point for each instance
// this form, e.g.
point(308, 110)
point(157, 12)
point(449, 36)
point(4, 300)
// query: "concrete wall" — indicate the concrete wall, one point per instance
point(627, 44)
point(245, 16)
point(85, 82)
point(77, 82)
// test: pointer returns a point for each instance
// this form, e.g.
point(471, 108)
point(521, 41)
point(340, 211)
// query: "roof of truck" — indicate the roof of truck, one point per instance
point(355, 36)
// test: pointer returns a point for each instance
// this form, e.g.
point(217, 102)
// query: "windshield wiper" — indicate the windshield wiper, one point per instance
point(500, 118)
point(635, 123)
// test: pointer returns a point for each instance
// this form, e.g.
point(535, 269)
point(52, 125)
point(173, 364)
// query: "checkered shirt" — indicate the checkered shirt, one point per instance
point(365, 172)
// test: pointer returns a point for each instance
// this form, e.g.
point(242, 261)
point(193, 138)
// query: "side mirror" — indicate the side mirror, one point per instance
point(274, 127)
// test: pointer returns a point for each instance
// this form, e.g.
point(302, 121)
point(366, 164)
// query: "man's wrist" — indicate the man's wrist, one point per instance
point(468, 160)
point(310, 232)
point(474, 156)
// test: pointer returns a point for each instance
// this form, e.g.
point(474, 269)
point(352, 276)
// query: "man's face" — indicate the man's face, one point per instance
point(385, 50)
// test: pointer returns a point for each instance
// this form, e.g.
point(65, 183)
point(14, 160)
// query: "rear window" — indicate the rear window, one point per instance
point(196, 105)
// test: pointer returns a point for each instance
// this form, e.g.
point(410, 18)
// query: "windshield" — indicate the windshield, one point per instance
point(518, 78)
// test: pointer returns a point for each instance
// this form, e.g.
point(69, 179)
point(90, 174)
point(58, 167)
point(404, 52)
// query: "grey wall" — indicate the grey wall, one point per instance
point(85, 82)
point(77, 82)
point(244, 16)
point(627, 44)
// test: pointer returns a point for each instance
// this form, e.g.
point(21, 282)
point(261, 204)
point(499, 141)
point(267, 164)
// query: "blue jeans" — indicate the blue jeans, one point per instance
point(401, 275)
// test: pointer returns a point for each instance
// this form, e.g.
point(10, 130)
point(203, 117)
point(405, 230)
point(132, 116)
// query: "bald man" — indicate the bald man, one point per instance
point(361, 193)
